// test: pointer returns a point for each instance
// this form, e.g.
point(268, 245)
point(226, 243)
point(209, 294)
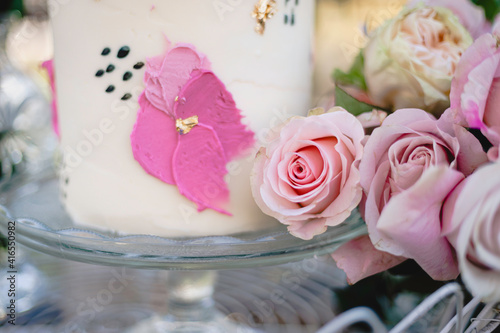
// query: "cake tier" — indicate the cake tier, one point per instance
point(102, 50)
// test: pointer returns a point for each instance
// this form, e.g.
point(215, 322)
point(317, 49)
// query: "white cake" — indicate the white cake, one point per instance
point(268, 74)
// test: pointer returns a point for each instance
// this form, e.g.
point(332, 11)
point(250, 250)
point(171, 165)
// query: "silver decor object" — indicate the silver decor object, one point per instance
point(25, 133)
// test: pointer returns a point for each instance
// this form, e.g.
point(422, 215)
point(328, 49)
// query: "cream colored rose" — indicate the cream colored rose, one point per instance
point(411, 59)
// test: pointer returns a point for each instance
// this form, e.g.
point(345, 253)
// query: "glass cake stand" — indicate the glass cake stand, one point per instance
point(42, 224)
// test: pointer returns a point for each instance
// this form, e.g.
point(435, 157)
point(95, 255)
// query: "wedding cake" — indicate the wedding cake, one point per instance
point(163, 104)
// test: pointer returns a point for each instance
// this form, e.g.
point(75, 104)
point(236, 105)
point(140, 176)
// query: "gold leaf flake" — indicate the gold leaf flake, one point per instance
point(263, 11)
point(184, 126)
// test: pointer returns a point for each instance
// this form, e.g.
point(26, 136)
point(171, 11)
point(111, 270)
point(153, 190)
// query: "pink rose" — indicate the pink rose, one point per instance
point(471, 218)
point(308, 176)
point(411, 59)
point(470, 15)
point(496, 26)
point(475, 91)
point(411, 164)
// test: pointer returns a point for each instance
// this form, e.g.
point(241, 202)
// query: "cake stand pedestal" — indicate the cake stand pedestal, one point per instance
point(31, 207)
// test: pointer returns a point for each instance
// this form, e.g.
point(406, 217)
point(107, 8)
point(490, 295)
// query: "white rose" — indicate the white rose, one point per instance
point(411, 59)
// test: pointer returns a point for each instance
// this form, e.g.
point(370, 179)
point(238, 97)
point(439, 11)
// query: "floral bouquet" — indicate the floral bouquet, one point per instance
point(412, 143)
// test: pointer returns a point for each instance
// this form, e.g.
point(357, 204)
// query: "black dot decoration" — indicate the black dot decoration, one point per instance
point(127, 96)
point(290, 6)
point(127, 76)
point(139, 65)
point(123, 52)
point(106, 51)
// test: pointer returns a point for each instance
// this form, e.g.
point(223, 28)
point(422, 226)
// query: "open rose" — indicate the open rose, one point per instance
point(496, 27)
point(470, 15)
point(471, 217)
point(308, 176)
point(411, 59)
point(475, 92)
point(411, 164)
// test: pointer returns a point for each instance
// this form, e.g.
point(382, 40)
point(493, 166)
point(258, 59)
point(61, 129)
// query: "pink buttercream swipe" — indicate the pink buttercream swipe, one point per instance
point(206, 96)
point(153, 144)
point(179, 86)
point(201, 150)
point(49, 67)
point(166, 75)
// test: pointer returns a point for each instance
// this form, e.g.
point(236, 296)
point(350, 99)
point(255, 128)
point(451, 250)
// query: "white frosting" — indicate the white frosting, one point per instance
point(269, 77)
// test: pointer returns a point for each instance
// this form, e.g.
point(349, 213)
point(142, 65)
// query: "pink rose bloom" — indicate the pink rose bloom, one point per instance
point(470, 15)
point(471, 218)
point(496, 26)
point(475, 91)
point(308, 176)
point(411, 164)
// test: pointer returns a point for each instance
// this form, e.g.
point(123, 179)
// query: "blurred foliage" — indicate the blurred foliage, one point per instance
point(3, 241)
point(349, 103)
point(491, 7)
point(355, 76)
point(12, 5)
point(391, 294)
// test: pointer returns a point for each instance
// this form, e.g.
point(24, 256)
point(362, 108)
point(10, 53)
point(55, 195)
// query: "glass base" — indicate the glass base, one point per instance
point(218, 324)
point(42, 224)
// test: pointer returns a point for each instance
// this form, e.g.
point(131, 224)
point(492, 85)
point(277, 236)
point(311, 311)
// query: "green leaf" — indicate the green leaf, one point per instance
point(3, 241)
point(355, 76)
point(346, 101)
point(491, 8)
point(11, 5)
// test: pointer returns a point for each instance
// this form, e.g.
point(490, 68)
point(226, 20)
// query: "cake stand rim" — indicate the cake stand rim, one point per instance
point(155, 252)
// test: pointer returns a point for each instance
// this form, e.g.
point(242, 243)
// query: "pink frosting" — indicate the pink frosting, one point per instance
point(179, 85)
point(49, 66)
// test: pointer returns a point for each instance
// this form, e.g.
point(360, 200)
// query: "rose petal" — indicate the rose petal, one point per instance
point(474, 222)
point(476, 91)
point(307, 229)
point(359, 259)
point(483, 48)
point(471, 154)
point(410, 224)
